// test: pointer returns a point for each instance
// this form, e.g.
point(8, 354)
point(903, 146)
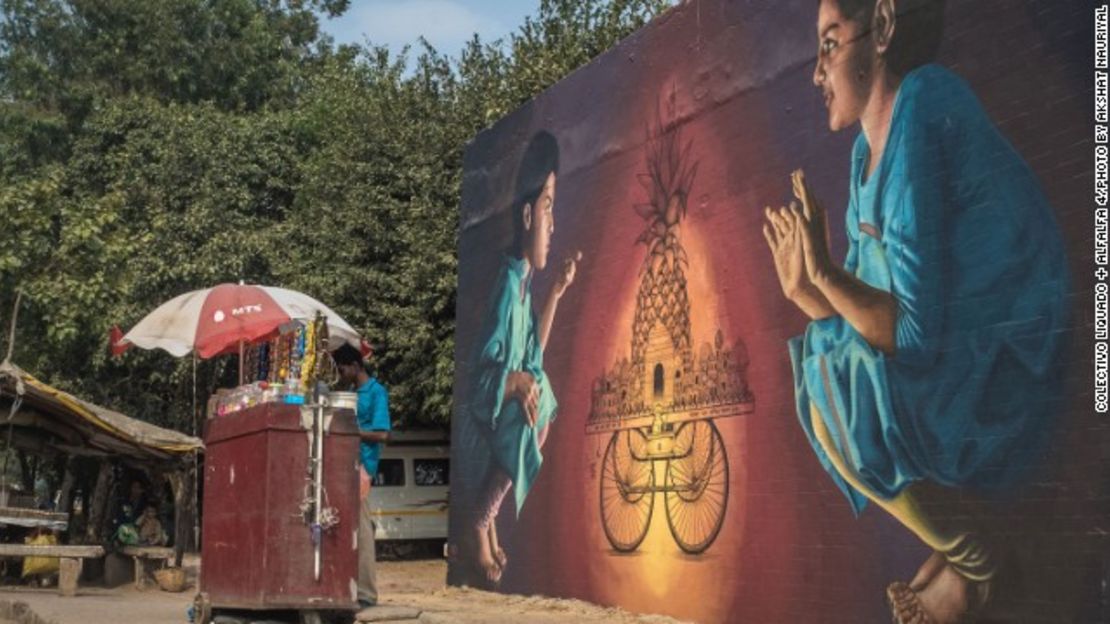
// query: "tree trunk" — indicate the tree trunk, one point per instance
point(98, 504)
point(65, 493)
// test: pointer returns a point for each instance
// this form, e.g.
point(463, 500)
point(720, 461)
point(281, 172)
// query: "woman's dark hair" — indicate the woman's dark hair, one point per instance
point(540, 159)
point(918, 30)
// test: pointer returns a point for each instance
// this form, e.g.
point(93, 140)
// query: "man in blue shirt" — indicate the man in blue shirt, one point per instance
point(373, 424)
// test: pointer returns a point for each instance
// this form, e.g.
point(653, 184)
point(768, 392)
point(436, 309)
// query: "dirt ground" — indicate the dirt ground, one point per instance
point(416, 585)
point(420, 585)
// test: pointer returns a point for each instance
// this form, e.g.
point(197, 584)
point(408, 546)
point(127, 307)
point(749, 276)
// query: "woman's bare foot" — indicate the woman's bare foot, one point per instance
point(904, 605)
point(946, 598)
point(495, 549)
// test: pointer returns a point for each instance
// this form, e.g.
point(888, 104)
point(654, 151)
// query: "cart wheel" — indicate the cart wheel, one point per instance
point(310, 617)
point(627, 490)
point(202, 609)
point(697, 486)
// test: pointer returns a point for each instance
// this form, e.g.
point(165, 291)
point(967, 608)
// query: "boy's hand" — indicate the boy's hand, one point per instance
point(566, 276)
point(522, 387)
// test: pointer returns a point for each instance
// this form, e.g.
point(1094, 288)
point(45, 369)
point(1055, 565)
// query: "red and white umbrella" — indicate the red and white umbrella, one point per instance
point(219, 320)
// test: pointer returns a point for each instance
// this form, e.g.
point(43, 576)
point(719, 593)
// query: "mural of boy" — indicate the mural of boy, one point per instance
point(932, 355)
point(512, 402)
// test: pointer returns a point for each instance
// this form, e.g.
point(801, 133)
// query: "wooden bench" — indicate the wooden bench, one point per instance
point(70, 559)
point(146, 558)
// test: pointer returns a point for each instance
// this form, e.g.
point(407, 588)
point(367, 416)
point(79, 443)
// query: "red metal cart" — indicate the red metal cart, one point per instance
point(264, 546)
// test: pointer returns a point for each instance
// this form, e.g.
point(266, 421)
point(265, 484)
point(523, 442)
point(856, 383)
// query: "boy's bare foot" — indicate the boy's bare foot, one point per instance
point(495, 549)
point(947, 598)
point(478, 551)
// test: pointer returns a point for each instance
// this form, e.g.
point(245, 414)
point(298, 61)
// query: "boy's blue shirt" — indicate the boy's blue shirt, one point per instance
point(373, 415)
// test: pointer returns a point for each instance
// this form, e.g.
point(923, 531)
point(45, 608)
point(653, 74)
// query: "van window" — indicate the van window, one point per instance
point(432, 471)
point(391, 472)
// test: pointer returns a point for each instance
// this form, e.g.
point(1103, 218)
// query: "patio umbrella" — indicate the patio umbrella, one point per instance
point(220, 320)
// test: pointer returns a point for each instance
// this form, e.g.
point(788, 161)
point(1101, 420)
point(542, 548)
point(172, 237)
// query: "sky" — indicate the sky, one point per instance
point(446, 24)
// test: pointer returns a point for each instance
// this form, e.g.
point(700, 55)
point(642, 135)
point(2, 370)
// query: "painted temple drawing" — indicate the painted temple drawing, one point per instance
point(658, 406)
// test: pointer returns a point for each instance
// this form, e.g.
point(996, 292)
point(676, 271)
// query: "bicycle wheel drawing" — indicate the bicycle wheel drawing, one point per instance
point(696, 486)
point(627, 490)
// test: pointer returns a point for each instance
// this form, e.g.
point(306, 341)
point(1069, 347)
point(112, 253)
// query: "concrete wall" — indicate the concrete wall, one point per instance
point(709, 502)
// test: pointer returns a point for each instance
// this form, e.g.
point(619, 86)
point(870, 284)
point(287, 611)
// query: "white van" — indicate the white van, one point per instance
point(408, 496)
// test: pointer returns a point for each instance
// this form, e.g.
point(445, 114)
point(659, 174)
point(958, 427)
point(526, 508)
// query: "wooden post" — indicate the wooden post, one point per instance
point(98, 504)
point(107, 520)
point(176, 480)
point(141, 581)
point(190, 521)
point(65, 493)
point(28, 470)
point(185, 511)
point(69, 572)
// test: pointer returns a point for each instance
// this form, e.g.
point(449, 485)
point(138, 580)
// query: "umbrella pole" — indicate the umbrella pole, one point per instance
point(196, 465)
point(241, 283)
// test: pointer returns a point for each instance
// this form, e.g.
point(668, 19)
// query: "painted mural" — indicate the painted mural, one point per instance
point(773, 313)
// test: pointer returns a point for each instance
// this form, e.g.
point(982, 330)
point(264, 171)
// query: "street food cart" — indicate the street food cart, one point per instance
point(280, 505)
point(271, 538)
point(280, 522)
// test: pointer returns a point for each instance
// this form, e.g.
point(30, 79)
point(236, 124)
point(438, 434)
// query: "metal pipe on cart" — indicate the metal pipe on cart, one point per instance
point(317, 480)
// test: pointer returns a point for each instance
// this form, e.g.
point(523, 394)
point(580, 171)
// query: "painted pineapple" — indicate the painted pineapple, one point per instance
point(662, 298)
point(661, 330)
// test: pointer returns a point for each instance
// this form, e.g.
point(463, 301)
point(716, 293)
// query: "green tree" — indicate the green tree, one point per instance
point(147, 149)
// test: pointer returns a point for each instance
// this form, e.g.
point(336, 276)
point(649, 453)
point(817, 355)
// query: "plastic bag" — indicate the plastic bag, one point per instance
point(41, 565)
point(127, 535)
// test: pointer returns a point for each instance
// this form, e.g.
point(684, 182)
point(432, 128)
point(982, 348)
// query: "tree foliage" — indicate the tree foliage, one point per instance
point(151, 148)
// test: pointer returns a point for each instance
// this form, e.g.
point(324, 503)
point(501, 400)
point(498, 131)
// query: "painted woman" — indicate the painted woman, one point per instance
point(932, 360)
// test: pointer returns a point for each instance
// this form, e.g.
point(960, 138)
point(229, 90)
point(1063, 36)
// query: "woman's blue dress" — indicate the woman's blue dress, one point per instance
point(953, 223)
